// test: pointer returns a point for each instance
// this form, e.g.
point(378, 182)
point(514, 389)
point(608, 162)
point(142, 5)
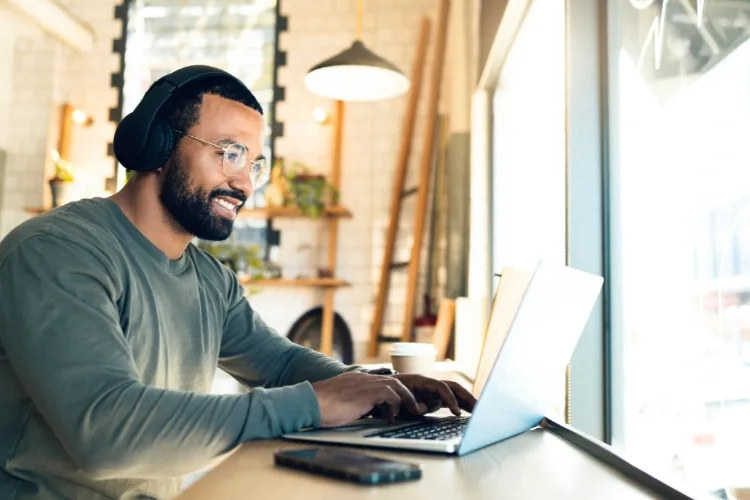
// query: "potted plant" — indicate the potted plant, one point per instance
point(61, 184)
point(245, 261)
point(311, 193)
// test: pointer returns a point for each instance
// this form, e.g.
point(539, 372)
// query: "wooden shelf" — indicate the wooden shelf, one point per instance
point(334, 211)
point(290, 212)
point(308, 282)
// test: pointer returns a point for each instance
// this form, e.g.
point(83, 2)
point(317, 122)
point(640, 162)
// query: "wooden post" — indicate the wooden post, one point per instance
point(326, 335)
point(402, 164)
point(425, 169)
point(66, 125)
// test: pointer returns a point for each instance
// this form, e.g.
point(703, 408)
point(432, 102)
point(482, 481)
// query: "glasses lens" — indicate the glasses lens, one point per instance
point(235, 158)
point(260, 172)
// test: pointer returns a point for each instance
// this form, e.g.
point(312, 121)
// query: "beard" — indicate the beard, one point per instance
point(190, 207)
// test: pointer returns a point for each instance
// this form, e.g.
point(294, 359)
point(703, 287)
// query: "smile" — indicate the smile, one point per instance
point(227, 207)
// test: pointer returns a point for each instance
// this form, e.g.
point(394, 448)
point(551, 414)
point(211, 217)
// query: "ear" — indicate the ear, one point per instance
point(161, 173)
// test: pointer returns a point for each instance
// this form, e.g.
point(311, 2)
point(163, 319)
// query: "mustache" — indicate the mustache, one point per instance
point(238, 195)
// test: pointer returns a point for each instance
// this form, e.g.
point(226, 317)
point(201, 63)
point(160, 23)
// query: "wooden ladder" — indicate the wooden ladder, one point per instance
point(422, 191)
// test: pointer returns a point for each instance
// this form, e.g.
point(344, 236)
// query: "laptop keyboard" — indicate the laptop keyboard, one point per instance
point(435, 430)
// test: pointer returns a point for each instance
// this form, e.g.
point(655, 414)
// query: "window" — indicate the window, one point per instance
point(238, 37)
point(682, 188)
point(529, 146)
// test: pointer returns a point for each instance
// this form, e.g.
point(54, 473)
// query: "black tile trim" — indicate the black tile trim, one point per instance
point(117, 81)
point(279, 93)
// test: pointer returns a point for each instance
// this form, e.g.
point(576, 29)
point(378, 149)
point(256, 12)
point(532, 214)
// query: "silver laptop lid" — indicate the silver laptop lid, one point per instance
point(522, 385)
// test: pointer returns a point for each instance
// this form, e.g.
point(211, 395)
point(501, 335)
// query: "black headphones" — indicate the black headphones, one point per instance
point(143, 139)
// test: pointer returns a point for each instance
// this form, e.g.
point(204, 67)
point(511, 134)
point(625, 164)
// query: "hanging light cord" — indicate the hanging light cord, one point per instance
point(358, 34)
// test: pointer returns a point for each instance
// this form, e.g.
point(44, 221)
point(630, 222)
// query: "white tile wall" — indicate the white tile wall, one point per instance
point(46, 74)
point(86, 83)
point(31, 57)
point(317, 30)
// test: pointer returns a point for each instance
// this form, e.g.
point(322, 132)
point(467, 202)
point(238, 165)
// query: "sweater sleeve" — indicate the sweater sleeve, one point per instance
point(60, 328)
point(255, 354)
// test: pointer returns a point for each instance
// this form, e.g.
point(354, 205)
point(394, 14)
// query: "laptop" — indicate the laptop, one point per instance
point(535, 329)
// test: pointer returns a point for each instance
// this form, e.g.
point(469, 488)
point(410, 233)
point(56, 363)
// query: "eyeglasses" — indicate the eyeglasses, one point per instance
point(234, 160)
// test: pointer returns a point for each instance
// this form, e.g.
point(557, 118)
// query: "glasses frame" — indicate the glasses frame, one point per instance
point(224, 156)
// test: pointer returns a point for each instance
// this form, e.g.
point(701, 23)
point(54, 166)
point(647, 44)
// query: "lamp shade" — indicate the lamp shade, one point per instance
point(356, 74)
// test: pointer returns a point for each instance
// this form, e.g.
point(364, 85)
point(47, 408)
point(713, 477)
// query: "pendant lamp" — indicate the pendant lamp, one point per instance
point(356, 74)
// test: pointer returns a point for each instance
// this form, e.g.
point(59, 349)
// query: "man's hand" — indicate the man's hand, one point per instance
point(349, 396)
point(436, 394)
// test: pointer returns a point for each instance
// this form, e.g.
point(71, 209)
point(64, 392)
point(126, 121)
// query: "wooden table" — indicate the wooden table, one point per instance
point(538, 464)
point(534, 465)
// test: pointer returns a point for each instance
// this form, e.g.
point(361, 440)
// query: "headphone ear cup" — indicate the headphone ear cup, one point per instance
point(161, 142)
point(158, 147)
point(123, 143)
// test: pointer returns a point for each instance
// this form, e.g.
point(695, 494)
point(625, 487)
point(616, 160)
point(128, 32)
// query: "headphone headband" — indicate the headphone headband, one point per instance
point(143, 140)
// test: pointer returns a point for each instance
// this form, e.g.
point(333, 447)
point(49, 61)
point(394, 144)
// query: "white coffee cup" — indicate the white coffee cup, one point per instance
point(413, 357)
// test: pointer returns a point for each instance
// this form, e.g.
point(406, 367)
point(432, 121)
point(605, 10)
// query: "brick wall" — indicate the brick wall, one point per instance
point(316, 31)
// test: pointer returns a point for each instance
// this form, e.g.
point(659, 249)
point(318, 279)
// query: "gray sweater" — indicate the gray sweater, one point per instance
point(108, 351)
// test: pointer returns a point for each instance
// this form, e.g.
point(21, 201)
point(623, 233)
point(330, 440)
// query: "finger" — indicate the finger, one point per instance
point(388, 397)
point(448, 397)
point(376, 412)
point(384, 413)
point(433, 402)
point(408, 400)
point(466, 399)
point(434, 405)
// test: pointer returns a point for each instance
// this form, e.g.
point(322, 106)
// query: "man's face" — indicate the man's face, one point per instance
point(196, 192)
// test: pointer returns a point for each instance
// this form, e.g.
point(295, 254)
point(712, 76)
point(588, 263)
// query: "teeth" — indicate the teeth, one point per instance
point(225, 204)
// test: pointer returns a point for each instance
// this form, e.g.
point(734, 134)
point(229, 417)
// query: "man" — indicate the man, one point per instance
point(112, 324)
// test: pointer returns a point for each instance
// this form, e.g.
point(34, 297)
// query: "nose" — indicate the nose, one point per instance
point(242, 182)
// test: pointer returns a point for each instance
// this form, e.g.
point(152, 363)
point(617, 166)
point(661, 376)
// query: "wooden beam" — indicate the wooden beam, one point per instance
point(326, 335)
point(402, 165)
point(433, 99)
point(57, 21)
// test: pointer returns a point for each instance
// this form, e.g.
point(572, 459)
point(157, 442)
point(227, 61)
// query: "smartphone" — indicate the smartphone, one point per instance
point(349, 465)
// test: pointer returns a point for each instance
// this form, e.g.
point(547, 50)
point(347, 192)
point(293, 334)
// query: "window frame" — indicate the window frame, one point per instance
point(591, 381)
point(590, 207)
